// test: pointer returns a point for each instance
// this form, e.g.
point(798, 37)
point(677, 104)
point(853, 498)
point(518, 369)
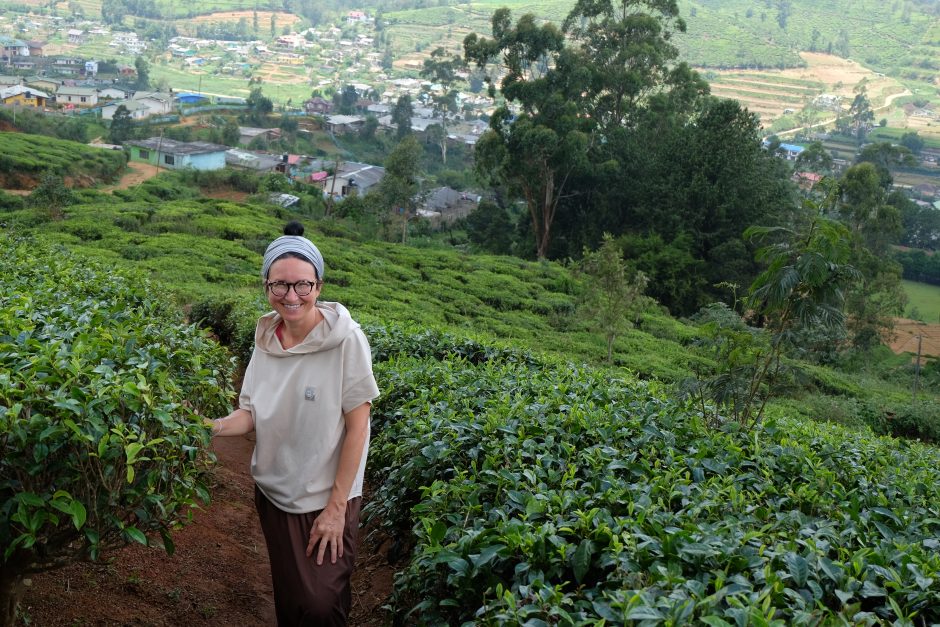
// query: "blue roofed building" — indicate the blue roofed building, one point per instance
point(191, 98)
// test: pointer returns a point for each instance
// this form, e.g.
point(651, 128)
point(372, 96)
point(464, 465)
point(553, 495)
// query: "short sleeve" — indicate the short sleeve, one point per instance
point(359, 384)
point(244, 397)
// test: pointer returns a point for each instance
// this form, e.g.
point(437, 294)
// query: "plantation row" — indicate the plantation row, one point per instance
point(208, 252)
point(546, 493)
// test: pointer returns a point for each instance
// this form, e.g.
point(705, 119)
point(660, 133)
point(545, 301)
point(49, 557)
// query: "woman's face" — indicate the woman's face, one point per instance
point(293, 309)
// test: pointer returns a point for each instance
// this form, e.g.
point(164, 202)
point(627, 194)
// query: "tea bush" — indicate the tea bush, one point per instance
point(99, 380)
point(541, 493)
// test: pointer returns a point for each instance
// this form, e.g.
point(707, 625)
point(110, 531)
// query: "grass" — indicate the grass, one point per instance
point(923, 301)
point(894, 134)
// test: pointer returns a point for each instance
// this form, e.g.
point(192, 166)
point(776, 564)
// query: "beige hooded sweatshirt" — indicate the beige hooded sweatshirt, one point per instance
point(297, 398)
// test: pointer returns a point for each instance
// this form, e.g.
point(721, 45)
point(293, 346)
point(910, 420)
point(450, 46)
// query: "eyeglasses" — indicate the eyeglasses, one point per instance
point(301, 288)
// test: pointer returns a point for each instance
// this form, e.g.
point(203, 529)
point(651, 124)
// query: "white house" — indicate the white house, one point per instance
point(157, 103)
point(137, 110)
point(112, 93)
point(72, 97)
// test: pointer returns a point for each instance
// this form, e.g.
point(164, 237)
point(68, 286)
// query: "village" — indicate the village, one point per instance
point(42, 69)
point(75, 66)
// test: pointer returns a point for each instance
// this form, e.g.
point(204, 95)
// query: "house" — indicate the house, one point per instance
point(10, 48)
point(289, 58)
point(341, 124)
point(176, 155)
point(91, 68)
point(76, 36)
point(68, 66)
point(349, 178)
point(23, 96)
point(191, 99)
point(157, 103)
point(447, 205)
point(318, 106)
point(926, 190)
point(112, 93)
point(232, 100)
point(355, 17)
point(24, 64)
point(288, 164)
point(36, 47)
point(806, 180)
point(253, 161)
point(49, 85)
point(790, 151)
point(247, 133)
point(71, 97)
point(10, 81)
point(127, 71)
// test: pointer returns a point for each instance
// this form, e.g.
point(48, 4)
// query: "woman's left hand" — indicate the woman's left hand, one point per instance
point(328, 530)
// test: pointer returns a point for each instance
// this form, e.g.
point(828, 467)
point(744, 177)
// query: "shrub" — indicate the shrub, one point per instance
point(540, 493)
point(99, 380)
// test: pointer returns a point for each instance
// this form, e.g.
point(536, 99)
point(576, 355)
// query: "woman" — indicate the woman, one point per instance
point(306, 394)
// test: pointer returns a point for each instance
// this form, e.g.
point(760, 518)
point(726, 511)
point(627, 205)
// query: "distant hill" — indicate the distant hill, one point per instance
point(900, 37)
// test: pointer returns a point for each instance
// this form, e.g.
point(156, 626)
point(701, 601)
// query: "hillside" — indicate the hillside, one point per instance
point(530, 485)
point(25, 158)
point(895, 38)
point(208, 251)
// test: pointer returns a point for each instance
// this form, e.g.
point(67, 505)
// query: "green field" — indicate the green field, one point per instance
point(923, 300)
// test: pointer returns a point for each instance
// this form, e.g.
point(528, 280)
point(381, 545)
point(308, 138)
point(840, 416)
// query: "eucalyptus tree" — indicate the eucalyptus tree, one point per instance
point(539, 137)
point(443, 69)
point(398, 189)
point(627, 53)
point(877, 298)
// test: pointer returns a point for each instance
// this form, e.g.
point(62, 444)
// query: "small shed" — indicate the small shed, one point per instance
point(175, 155)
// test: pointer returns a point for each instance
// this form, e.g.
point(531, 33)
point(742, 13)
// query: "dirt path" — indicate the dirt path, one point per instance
point(137, 173)
point(887, 105)
point(218, 576)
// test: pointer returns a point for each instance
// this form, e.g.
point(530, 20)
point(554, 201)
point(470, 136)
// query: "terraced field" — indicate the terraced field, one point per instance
point(773, 94)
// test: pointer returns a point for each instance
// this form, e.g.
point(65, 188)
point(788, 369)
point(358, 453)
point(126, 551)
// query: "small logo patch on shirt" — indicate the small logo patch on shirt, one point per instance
point(310, 394)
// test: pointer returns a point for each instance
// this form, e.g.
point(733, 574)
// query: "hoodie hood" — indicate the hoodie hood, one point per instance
point(336, 326)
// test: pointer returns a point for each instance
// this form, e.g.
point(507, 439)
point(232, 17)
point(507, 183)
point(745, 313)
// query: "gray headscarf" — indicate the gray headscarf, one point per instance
point(292, 244)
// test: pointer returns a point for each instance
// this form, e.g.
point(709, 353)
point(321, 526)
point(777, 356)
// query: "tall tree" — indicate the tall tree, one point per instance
point(861, 112)
point(815, 159)
point(885, 156)
point(402, 113)
point(534, 152)
point(259, 106)
point(626, 54)
point(143, 73)
point(398, 189)
point(121, 126)
point(443, 70)
point(875, 225)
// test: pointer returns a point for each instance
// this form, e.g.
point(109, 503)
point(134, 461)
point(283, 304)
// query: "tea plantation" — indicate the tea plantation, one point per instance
point(540, 492)
point(524, 482)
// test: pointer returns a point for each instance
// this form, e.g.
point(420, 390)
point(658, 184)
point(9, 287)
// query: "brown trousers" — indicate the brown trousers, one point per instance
point(305, 594)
